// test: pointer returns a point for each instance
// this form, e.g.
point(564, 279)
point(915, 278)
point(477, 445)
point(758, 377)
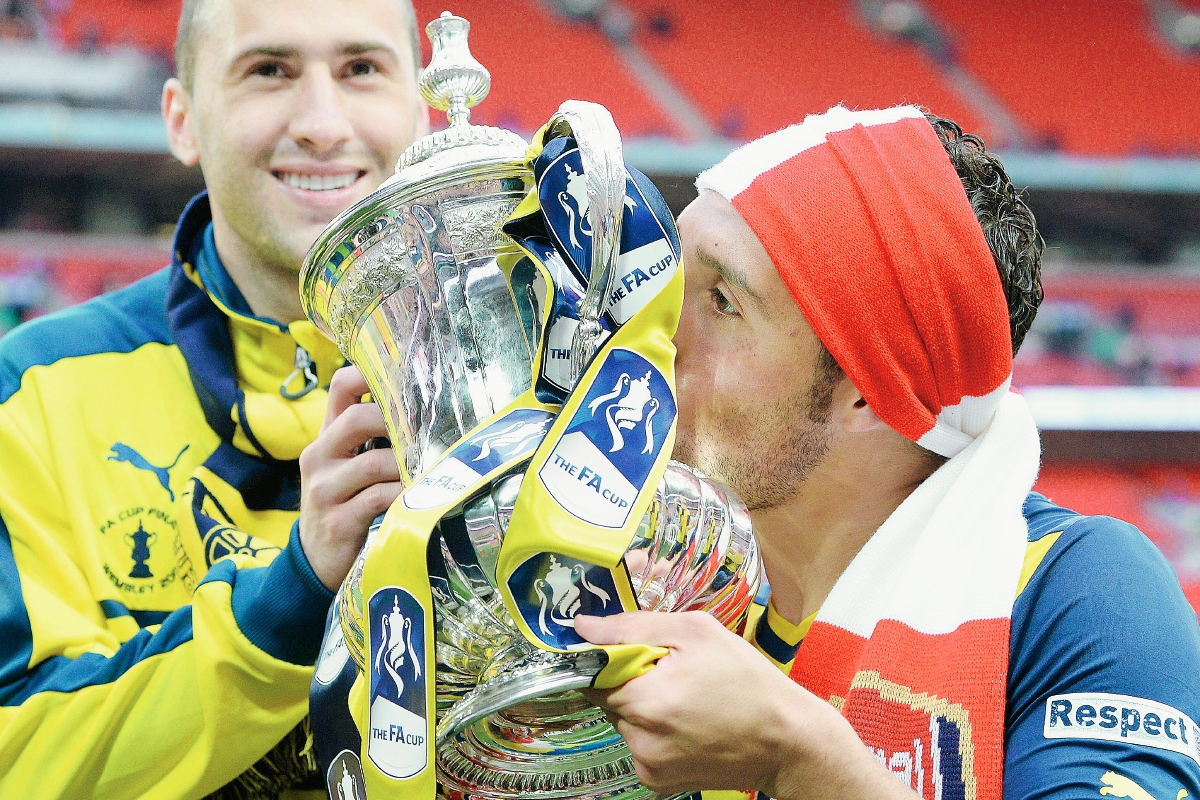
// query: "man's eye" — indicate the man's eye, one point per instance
point(721, 303)
point(269, 69)
point(358, 68)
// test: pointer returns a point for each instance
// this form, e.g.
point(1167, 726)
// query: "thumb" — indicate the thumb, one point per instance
point(634, 627)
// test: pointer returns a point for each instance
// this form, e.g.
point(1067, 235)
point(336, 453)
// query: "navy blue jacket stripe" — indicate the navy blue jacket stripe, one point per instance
point(15, 631)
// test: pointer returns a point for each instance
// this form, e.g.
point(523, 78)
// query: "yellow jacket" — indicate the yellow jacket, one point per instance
point(148, 647)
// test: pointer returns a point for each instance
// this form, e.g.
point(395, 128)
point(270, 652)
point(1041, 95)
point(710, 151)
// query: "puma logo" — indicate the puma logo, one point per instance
point(123, 452)
point(1119, 786)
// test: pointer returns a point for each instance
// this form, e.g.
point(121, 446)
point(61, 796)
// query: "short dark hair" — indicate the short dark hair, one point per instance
point(191, 27)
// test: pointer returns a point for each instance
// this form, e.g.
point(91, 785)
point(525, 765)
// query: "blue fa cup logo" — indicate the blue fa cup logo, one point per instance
point(397, 643)
point(345, 779)
point(397, 742)
point(608, 450)
point(551, 589)
point(561, 591)
point(574, 202)
point(515, 435)
point(512, 439)
point(628, 404)
point(562, 188)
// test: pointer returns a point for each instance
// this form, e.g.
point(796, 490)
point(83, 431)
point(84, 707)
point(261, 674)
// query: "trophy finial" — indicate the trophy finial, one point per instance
point(454, 81)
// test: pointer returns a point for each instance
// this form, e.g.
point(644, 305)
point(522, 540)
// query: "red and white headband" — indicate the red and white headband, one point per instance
point(869, 226)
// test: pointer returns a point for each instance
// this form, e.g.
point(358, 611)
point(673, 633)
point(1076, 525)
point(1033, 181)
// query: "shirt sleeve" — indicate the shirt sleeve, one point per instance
point(1105, 656)
point(176, 709)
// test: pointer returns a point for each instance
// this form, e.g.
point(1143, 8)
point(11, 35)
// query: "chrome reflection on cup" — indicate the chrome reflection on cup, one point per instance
point(509, 724)
point(411, 284)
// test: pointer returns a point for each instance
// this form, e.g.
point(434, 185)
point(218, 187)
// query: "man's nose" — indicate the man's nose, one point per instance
point(319, 123)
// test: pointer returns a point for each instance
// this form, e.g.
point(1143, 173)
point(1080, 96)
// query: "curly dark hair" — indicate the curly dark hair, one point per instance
point(1008, 224)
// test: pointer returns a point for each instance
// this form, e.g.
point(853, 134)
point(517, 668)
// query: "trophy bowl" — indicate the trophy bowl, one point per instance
point(422, 290)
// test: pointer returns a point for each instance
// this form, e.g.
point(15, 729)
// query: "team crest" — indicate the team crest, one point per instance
point(926, 743)
point(223, 540)
point(552, 589)
point(397, 744)
point(513, 436)
point(606, 453)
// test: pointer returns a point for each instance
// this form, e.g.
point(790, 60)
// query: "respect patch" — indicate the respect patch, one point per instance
point(1121, 718)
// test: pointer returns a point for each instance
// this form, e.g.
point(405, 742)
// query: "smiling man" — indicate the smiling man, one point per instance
point(856, 288)
point(161, 606)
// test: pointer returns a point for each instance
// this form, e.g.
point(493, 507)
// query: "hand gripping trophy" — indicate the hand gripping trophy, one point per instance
point(511, 307)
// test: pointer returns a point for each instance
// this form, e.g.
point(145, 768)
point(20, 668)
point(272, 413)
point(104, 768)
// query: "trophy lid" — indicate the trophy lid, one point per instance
point(454, 82)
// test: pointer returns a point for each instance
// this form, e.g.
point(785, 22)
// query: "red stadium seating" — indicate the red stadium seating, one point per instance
point(1058, 370)
point(1160, 304)
point(754, 66)
point(147, 24)
point(1163, 501)
point(1128, 328)
point(538, 60)
point(1087, 77)
point(85, 269)
point(1084, 77)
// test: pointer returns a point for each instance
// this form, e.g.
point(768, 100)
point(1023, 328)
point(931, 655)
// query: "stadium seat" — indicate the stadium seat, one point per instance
point(86, 268)
point(1083, 77)
point(1134, 329)
point(754, 66)
point(146, 24)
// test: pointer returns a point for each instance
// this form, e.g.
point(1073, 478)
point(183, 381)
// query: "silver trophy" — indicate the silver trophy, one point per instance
point(411, 283)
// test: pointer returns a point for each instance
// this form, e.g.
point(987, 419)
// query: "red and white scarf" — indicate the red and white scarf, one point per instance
point(870, 228)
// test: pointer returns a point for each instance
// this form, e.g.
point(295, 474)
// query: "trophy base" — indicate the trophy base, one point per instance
point(551, 748)
point(523, 732)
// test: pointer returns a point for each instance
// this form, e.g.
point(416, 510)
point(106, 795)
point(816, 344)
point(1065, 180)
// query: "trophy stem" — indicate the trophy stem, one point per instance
point(459, 112)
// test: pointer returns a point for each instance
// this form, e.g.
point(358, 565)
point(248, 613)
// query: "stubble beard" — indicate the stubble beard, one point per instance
point(266, 233)
point(275, 245)
point(766, 455)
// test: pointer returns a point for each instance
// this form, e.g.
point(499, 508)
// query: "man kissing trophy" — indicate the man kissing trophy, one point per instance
point(511, 307)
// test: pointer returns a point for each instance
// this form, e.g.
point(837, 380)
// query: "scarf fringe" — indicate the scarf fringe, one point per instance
point(288, 764)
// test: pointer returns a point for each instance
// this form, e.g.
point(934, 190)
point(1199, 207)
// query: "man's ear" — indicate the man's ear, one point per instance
point(856, 414)
point(177, 113)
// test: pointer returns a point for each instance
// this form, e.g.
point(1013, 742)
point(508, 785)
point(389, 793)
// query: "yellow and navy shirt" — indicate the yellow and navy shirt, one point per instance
point(158, 618)
point(1104, 662)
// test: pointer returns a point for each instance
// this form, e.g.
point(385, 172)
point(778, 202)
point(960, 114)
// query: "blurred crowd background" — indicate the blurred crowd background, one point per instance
point(1094, 105)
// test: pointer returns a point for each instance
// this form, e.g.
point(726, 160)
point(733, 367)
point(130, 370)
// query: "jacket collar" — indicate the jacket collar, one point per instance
point(246, 369)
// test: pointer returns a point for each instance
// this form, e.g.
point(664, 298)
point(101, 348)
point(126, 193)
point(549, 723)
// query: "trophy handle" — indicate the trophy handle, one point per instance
point(604, 171)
